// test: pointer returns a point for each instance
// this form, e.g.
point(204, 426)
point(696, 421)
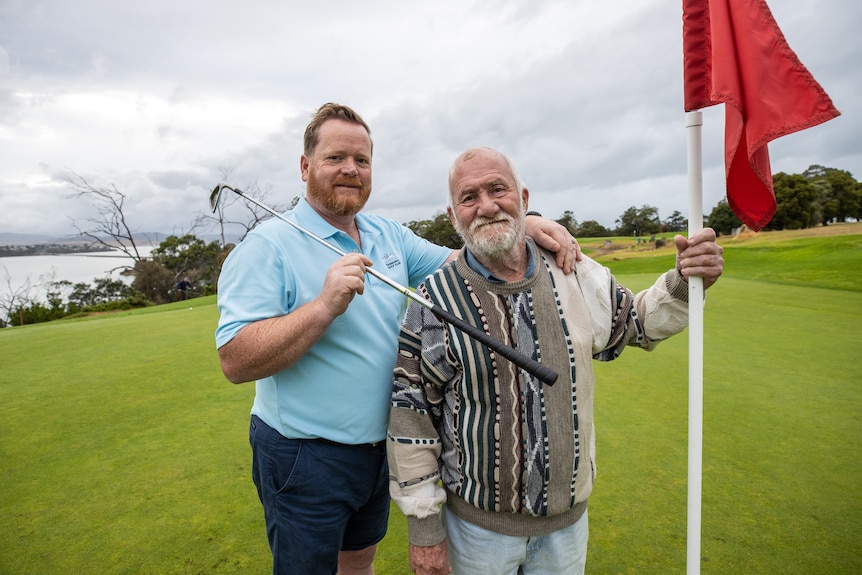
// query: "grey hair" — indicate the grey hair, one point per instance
point(519, 183)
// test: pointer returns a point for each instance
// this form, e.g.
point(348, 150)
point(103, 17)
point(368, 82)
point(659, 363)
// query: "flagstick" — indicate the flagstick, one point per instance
point(693, 124)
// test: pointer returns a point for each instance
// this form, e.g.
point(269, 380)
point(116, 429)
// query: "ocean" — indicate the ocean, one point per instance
point(17, 272)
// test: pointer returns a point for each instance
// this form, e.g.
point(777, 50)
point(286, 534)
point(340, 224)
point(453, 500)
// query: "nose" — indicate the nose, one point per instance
point(349, 167)
point(486, 206)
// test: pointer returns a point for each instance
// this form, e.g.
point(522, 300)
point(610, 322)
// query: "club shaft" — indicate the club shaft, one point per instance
point(543, 373)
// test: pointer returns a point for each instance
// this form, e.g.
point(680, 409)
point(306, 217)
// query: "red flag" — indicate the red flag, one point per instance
point(734, 53)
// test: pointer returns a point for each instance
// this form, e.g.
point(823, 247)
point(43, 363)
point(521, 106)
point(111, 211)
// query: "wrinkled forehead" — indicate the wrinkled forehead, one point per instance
point(479, 169)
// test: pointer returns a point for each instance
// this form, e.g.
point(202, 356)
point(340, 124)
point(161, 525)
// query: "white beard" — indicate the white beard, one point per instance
point(496, 243)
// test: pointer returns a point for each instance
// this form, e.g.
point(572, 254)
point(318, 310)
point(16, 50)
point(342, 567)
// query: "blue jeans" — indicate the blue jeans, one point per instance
point(318, 498)
point(477, 551)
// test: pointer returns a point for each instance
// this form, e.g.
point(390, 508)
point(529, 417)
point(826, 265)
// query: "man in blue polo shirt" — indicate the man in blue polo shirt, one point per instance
point(322, 357)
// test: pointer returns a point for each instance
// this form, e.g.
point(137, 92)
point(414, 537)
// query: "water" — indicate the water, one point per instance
point(17, 272)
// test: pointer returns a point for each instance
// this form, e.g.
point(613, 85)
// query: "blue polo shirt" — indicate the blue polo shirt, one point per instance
point(340, 390)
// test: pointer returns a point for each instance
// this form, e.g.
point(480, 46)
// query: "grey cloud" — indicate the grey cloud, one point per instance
point(592, 116)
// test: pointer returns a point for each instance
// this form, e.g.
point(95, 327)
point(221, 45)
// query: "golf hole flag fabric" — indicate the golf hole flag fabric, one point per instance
point(734, 53)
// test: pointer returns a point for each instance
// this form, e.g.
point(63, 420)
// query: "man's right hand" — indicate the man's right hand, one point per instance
point(432, 560)
point(344, 279)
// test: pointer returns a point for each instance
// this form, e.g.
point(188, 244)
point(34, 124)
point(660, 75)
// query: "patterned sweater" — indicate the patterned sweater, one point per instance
point(471, 430)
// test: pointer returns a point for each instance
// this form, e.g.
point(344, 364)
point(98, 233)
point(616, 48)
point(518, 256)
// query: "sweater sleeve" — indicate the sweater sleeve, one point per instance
point(621, 318)
point(664, 307)
point(414, 446)
point(646, 318)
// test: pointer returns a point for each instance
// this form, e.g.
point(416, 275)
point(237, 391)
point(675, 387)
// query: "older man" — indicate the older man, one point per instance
point(516, 458)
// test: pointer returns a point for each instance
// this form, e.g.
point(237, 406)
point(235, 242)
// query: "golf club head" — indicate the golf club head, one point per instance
point(215, 196)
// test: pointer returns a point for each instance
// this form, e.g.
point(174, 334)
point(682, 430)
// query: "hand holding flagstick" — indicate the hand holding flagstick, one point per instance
point(699, 256)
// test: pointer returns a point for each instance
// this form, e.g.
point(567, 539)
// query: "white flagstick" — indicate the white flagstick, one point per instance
point(693, 124)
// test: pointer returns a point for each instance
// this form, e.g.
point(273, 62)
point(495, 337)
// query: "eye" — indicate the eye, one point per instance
point(468, 199)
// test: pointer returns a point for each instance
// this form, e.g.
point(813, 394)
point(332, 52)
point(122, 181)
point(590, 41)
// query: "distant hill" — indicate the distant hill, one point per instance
point(154, 238)
point(9, 239)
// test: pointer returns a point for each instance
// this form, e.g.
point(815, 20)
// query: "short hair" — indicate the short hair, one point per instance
point(329, 111)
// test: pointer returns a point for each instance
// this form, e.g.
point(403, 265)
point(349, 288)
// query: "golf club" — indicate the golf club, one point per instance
point(533, 367)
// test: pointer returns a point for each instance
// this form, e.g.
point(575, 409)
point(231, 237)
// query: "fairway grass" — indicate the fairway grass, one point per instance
point(124, 449)
point(782, 440)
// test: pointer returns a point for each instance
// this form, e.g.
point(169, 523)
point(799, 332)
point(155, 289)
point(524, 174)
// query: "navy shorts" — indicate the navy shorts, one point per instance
point(318, 497)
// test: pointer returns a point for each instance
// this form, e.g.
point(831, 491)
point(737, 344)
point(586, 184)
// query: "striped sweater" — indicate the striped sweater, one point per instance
point(470, 429)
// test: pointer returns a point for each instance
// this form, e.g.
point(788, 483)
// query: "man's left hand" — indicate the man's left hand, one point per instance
point(699, 256)
point(555, 238)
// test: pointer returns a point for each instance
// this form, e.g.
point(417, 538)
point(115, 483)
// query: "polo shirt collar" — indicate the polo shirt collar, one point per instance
point(307, 217)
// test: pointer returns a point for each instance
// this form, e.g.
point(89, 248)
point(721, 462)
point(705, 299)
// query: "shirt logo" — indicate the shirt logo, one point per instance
point(391, 260)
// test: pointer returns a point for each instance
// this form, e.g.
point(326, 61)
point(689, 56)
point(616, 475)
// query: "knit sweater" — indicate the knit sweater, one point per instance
point(471, 430)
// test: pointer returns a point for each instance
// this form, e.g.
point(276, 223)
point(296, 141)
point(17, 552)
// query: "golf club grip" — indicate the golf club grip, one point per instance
point(533, 367)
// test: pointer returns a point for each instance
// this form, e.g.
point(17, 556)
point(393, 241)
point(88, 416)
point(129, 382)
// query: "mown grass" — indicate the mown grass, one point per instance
point(121, 443)
point(782, 440)
point(124, 450)
point(821, 257)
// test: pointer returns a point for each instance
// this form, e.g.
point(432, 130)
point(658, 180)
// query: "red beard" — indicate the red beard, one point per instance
point(339, 204)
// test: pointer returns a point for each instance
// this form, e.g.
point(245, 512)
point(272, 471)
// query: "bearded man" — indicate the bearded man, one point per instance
point(492, 469)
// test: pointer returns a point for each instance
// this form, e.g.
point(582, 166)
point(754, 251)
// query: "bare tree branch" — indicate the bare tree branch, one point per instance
point(110, 227)
point(249, 216)
point(15, 298)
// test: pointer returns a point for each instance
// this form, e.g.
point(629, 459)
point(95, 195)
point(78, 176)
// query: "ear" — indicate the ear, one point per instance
point(451, 215)
point(525, 196)
point(303, 167)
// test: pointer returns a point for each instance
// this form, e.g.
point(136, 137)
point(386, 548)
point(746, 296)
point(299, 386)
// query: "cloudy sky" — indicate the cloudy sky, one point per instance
point(162, 99)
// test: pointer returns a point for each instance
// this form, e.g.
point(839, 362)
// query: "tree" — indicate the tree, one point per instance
point(722, 219)
point(82, 295)
point(38, 312)
point(569, 222)
point(839, 194)
point(438, 230)
point(13, 299)
point(103, 290)
point(154, 281)
point(593, 229)
point(189, 256)
point(110, 228)
point(796, 199)
point(675, 223)
point(638, 222)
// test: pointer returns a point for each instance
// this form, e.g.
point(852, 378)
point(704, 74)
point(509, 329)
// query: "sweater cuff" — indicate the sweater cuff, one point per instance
point(425, 532)
point(676, 285)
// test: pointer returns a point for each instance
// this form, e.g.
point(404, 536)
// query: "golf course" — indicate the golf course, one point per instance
point(125, 450)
